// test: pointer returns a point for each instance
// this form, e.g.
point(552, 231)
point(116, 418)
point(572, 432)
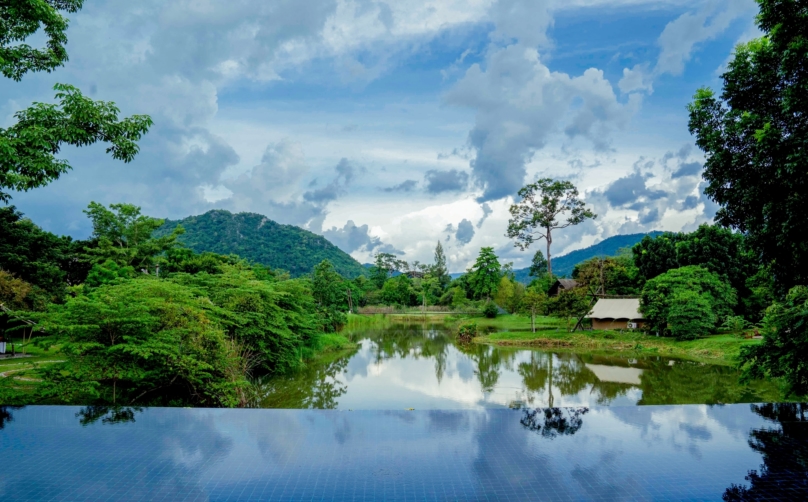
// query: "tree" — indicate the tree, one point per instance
point(546, 205)
point(40, 258)
point(784, 351)
point(125, 236)
point(690, 315)
point(329, 292)
point(29, 147)
point(534, 302)
point(384, 266)
point(617, 275)
point(538, 265)
point(484, 275)
point(439, 270)
point(570, 303)
point(505, 291)
point(659, 293)
point(144, 341)
point(754, 139)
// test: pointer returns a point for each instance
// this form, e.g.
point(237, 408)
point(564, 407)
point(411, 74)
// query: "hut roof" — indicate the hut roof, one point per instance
point(617, 308)
point(568, 283)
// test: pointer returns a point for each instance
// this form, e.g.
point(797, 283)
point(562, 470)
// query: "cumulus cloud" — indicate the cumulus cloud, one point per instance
point(334, 189)
point(445, 181)
point(687, 169)
point(520, 103)
point(351, 238)
point(465, 232)
point(631, 190)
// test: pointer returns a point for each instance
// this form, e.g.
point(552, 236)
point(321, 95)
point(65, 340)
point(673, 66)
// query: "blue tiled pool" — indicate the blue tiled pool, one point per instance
point(604, 453)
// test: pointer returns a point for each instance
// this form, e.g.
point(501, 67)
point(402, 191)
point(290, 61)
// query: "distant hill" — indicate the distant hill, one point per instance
point(261, 240)
point(564, 264)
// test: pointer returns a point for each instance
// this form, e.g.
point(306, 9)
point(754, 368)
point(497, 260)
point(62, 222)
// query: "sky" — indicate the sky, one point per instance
point(388, 126)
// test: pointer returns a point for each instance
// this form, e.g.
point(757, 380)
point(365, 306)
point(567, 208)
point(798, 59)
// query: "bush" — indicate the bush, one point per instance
point(466, 332)
point(690, 315)
point(490, 310)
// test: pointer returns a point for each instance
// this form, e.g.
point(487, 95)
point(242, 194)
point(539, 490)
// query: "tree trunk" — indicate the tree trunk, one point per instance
point(549, 262)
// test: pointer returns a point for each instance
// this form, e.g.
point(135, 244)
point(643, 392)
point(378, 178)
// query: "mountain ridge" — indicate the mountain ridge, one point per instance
point(261, 240)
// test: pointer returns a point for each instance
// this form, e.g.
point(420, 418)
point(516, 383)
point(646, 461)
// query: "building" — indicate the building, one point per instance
point(562, 285)
point(617, 313)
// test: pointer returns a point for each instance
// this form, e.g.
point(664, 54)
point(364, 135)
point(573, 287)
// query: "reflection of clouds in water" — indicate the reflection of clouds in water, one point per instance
point(313, 454)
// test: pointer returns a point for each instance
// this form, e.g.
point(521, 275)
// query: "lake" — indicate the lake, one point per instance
point(398, 366)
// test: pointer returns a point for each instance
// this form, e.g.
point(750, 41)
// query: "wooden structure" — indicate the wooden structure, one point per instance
point(617, 313)
point(562, 285)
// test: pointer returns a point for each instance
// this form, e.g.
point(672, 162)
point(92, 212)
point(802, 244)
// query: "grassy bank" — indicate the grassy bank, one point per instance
point(551, 333)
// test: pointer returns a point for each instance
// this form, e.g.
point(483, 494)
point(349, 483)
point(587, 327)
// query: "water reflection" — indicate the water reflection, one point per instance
point(612, 453)
point(783, 445)
point(419, 366)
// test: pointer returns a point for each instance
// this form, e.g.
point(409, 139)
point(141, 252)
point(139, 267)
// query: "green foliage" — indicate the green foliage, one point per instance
point(40, 258)
point(399, 291)
point(21, 19)
point(126, 237)
point(179, 259)
point(754, 138)
point(617, 275)
point(384, 265)
point(484, 275)
point(15, 294)
point(107, 273)
point(659, 293)
point(142, 341)
point(439, 269)
point(329, 291)
point(29, 147)
point(538, 265)
point(545, 205)
point(467, 331)
point(277, 323)
point(784, 351)
point(569, 304)
point(490, 310)
point(690, 315)
point(261, 240)
point(716, 249)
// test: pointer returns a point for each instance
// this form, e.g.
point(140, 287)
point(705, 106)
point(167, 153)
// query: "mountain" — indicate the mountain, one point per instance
point(261, 240)
point(564, 264)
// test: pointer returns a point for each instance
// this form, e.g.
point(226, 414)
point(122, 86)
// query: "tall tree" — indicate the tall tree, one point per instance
point(439, 269)
point(484, 275)
point(754, 138)
point(546, 205)
point(383, 267)
point(28, 148)
point(125, 236)
point(538, 265)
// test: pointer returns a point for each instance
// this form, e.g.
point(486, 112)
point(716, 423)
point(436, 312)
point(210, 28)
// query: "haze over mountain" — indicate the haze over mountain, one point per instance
point(261, 240)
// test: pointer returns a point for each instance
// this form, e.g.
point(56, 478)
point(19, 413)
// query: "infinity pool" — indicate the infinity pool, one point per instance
point(694, 452)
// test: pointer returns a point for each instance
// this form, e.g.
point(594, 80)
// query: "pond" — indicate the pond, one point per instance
point(399, 366)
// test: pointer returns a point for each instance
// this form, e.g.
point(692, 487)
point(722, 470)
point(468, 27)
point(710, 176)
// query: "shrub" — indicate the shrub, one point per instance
point(690, 315)
point(490, 310)
point(466, 332)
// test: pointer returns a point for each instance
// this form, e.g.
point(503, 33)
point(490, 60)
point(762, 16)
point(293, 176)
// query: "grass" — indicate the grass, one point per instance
point(552, 333)
point(333, 342)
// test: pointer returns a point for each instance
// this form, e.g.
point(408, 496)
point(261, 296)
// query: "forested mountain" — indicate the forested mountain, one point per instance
point(261, 240)
point(563, 265)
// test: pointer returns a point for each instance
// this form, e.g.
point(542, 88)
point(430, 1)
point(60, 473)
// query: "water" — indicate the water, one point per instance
point(402, 366)
point(695, 452)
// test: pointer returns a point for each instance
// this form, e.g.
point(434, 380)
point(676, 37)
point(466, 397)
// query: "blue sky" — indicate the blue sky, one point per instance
point(392, 125)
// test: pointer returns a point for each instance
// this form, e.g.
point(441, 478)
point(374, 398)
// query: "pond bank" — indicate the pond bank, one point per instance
point(552, 333)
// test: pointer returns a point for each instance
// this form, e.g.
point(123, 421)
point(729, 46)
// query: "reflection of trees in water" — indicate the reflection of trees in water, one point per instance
point(784, 472)
point(414, 341)
point(694, 383)
point(314, 386)
point(6, 416)
point(554, 422)
point(107, 414)
point(568, 374)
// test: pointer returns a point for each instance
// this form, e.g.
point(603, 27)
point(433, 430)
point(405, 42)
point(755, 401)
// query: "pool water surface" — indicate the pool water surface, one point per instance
point(691, 452)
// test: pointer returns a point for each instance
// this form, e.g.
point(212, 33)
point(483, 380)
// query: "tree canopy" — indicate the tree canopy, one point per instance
point(545, 205)
point(754, 137)
point(484, 275)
